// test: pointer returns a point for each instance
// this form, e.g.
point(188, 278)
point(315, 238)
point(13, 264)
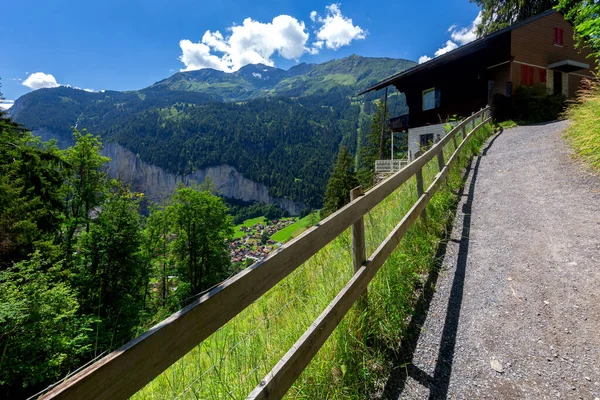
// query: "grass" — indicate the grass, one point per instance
point(584, 131)
point(508, 124)
point(231, 362)
point(248, 223)
point(295, 229)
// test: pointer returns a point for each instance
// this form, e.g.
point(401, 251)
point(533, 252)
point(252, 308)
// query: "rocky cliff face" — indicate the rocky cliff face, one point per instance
point(158, 184)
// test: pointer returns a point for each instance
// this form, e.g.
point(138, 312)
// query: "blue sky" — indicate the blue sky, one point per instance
point(123, 45)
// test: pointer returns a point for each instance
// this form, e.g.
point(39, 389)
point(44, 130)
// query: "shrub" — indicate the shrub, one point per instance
point(533, 104)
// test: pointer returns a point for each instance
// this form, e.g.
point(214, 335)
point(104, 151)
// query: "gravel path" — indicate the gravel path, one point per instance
point(516, 308)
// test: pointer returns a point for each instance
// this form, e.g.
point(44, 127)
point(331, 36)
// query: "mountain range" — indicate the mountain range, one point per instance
point(281, 129)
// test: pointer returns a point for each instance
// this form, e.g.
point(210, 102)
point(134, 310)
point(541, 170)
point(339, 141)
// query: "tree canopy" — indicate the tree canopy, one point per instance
point(498, 14)
point(585, 17)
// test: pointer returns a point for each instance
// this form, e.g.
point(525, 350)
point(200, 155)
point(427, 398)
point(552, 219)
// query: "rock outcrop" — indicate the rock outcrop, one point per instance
point(157, 184)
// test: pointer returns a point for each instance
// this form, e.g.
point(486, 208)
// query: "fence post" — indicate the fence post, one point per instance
point(440, 158)
point(454, 140)
point(420, 189)
point(359, 254)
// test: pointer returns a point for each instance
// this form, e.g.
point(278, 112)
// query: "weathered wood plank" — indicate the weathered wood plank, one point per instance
point(286, 371)
point(440, 158)
point(359, 251)
point(359, 254)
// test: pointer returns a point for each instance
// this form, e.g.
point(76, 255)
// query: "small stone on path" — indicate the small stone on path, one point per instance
point(496, 366)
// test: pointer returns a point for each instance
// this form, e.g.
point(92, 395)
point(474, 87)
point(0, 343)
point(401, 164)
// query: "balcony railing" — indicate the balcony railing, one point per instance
point(389, 166)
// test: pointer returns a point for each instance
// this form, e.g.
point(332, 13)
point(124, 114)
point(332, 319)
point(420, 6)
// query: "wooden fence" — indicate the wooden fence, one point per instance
point(123, 372)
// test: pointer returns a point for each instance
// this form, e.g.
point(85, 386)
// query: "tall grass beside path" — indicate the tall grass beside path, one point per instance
point(232, 361)
point(583, 132)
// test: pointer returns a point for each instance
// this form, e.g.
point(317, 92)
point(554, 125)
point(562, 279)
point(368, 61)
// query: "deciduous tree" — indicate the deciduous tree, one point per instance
point(498, 14)
point(201, 226)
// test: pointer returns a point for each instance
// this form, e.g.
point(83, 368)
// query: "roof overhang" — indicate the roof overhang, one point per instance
point(568, 66)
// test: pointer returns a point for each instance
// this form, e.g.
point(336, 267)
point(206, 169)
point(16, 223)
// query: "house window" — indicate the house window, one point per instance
point(559, 36)
point(425, 141)
point(542, 72)
point(431, 98)
point(527, 75)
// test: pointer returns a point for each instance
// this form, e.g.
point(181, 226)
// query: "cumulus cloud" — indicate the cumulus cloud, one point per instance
point(252, 42)
point(337, 30)
point(450, 45)
point(39, 80)
point(255, 42)
point(6, 104)
point(465, 35)
point(458, 37)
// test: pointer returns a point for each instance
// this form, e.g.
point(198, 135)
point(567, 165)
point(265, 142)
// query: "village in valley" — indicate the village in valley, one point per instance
point(255, 242)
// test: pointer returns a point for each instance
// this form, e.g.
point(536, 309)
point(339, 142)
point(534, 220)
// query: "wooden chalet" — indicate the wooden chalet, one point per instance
point(536, 51)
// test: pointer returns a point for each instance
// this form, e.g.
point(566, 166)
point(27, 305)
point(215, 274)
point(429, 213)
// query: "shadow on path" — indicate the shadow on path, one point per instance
point(403, 366)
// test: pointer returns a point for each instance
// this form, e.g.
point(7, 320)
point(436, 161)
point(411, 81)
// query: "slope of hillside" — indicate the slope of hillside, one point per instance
point(285, 135)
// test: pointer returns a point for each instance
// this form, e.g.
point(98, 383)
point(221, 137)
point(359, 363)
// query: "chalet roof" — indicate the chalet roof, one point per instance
point(462, 51)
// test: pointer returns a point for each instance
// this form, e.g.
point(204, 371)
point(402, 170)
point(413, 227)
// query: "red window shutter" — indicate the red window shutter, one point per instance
point(530, 78)
point(542, 75)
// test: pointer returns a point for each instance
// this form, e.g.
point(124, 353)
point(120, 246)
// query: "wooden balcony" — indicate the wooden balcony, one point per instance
point(399, 124)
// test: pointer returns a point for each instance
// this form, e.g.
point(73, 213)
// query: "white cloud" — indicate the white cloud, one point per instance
point(39, 80)
point(465, 35)
point(337, 30)
point(252, 42)
point(6, 104)
point(423, 59)
point(90, 90)
point(450, 45)
point(255, 42)
point(459, 37)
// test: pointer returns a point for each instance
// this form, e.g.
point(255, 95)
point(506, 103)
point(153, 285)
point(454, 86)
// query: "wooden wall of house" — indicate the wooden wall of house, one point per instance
point(533, 43)
point(516, 75)
point(463, 83)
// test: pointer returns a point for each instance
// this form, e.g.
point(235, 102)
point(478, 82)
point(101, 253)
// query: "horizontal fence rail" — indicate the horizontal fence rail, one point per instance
point(126, 370)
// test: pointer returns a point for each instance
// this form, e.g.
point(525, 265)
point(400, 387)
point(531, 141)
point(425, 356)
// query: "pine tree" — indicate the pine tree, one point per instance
point(342, 180)
point(111, 274)
point(369, 152)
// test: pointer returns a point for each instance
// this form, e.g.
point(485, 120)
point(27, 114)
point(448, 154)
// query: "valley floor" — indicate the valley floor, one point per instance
point(516, 307)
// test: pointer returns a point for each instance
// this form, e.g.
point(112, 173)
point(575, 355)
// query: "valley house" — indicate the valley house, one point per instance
point(537, 51)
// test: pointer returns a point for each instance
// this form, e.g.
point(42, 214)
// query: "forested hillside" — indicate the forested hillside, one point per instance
point(285, 134)
point(81, 270)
